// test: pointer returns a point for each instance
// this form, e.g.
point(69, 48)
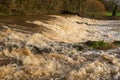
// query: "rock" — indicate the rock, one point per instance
point(79, 47)
point(39, 50)
point(4, 60)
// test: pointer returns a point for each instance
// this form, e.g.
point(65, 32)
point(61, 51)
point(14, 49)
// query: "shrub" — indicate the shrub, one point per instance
point(32, 7)
point(70, 6)
point(36, 7)
point(94, 6)
point(4, 10)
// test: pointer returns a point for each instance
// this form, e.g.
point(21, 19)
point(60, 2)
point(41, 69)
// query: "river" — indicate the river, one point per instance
point(25, 53)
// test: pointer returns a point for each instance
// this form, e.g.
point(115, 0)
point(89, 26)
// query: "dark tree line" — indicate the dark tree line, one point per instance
point(28, 7)
point(36, 7)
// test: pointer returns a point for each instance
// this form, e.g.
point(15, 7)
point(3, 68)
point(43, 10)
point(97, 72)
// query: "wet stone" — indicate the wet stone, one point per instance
point(79, 47)
point(39, 50)
point(4, 60)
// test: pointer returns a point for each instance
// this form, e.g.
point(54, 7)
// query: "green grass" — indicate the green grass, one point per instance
point(109, 14)
point(97, 45)
point(100, 45)
point(118, 14)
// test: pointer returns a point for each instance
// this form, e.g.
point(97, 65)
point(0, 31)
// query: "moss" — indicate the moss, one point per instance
point(101, 45)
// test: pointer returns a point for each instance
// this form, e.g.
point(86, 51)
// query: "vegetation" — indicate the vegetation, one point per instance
point(101, 45)
point(115, 10)
point(109, 14)
point(85, 8)
point(35, 7)
point(98, 45)
point(112, 6)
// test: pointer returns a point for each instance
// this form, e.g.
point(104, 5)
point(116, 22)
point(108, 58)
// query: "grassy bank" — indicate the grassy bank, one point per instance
point(109, 14)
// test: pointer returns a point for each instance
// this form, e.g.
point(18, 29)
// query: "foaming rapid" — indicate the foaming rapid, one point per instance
point(70, 29)
point(19, 60)
point(52, 55)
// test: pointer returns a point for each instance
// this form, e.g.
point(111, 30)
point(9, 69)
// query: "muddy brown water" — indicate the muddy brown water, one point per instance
point(19, 22)
point(69, 66)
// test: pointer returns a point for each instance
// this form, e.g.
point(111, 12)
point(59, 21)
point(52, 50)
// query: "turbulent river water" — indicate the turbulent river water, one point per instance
point(47, 48)
point(111, 28)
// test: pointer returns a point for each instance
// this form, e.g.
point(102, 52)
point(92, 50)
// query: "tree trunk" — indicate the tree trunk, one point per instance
point(115, 11)
point(78, 7)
